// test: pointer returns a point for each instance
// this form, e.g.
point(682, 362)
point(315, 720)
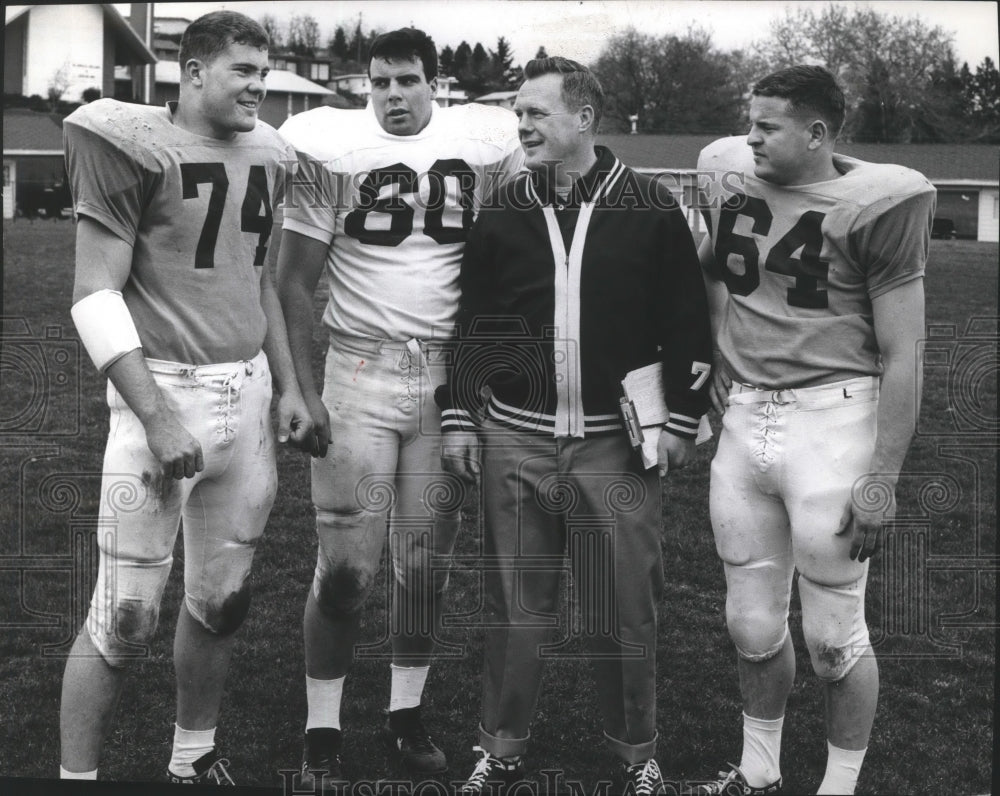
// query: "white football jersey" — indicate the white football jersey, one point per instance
point(395, 210)
point(802, 263)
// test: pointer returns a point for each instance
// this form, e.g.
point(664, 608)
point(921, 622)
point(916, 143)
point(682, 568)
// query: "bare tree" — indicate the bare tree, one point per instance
point(274, 31)
point(303, 34)
point(886, 64)
point(58, 84)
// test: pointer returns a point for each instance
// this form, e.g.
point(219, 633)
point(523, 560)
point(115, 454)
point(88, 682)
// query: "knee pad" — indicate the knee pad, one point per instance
point(125, 607)
point(833, 622)
point(757, 635)
point(757, 597)
point(221, 614)
point(343, 580)
point(123, 632)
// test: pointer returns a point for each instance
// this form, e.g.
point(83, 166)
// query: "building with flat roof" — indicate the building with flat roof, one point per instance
point(967, 176)
point(287, 93)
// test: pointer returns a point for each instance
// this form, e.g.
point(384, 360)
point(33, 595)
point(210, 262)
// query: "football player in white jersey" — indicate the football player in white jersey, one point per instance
point(397, 186)
point(174, 303)
point(815, 268)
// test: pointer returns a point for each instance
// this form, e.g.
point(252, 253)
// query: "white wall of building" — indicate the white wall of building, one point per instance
point(989, 214)
point(68, 38)
point(353, 84)
point(9, 182)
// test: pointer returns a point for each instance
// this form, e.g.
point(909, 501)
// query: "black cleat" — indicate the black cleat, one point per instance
point(209, 769)
point(407, 738)
point(733, 783)
point(492, 775)
point(321, 761)
point(643, 779)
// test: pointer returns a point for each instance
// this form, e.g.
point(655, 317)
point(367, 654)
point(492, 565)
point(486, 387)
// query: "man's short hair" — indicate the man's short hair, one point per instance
point(209, 35)
point(807, 87)
point(579, 86)
point(406, 44)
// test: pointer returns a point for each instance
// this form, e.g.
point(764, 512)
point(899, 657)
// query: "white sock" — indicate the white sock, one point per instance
point(842, 769)
point(64, 774)
point(761, 750)
point(323, 698)
point(189, 745)
point(407, 686)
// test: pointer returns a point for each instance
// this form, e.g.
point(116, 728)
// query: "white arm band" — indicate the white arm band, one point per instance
point(105, 327)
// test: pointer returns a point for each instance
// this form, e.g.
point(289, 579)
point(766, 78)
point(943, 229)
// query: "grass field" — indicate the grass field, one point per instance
point(931, 595)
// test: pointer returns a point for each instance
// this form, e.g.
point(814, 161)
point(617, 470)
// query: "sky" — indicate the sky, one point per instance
point(578, 28)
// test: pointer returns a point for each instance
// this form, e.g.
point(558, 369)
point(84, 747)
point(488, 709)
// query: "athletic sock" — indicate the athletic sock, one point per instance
point(323, 698)
point(64, 774)
point(407, 686)
point(761, 750)
point(189, 745)
point(842, 769)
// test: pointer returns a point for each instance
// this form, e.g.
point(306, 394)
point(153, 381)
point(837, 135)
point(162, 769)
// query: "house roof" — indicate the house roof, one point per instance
point(10, 13)
point(940, 162)
point(27, 130)
point(277, 80)
point(133, 41)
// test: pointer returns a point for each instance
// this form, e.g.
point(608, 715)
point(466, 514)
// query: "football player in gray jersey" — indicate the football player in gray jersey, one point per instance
point(815, 271)
point(175, 303)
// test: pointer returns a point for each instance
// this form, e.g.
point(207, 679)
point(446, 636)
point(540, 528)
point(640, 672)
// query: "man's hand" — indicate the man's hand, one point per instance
point(718, 390)
point(460, 454)
point(317, 441)
point(872, 507)
point(673, 452)
point(295, 421)
point(177, 451)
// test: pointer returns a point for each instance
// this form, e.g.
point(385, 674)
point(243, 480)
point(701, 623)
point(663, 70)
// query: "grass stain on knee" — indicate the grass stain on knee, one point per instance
point(343, 591)
point(226, 618)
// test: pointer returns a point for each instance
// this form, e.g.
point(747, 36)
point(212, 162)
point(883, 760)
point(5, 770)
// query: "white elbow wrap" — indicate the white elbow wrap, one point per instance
point(105, 327)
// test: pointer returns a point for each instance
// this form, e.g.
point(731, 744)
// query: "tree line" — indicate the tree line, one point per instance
point(478, 69)
point(900, 75)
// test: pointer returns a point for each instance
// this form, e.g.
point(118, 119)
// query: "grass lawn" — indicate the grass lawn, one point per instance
point(931, 595)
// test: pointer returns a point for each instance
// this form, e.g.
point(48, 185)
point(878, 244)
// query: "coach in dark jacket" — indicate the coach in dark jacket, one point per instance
point(579, 272)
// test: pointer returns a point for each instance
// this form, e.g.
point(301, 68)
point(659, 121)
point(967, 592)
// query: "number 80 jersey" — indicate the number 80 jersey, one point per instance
point(395, 210)
point(803, 262)
point(197, 212)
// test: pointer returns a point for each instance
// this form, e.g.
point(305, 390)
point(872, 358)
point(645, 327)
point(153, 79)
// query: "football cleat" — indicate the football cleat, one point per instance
point(643, 779)
point(492, 775)
point(405, 736)
point(733, 783)
point(209, 769)
point(321, 761)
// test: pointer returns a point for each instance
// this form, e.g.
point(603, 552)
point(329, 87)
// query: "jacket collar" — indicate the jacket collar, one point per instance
point(584, 188)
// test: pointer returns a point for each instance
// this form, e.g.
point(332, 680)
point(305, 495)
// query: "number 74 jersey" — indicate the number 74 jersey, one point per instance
point(802, 263)
point(197, 212)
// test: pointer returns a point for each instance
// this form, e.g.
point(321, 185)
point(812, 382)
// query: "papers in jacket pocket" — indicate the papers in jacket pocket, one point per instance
point(644, 410)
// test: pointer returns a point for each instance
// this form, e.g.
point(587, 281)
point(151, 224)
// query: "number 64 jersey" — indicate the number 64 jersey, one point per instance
point(395, 210)
point(802, 263)
point(197, 212)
